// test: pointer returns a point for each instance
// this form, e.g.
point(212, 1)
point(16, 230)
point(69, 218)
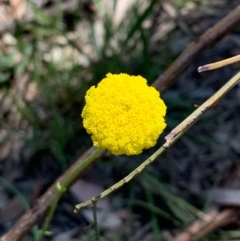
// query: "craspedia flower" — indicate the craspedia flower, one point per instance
point(123, 114)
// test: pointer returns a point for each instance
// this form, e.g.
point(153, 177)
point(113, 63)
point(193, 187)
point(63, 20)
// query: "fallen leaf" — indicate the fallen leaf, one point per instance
point(66, 236)
point(83, 191)
point(224, 196)
point(14, 207)
point(106, 219)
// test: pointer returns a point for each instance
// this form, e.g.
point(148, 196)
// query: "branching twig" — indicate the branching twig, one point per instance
point(191, 119)
point(44, 202)
point(170, 139)
point(211, 36)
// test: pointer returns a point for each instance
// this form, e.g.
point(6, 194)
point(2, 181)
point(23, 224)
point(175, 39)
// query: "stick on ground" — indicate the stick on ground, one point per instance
point(207, 39)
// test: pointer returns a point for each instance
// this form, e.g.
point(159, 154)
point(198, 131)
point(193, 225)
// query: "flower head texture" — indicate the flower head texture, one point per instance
point(123, 114)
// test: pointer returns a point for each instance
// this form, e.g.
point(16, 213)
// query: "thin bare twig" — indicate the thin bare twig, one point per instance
point(207, 39)
point(171, 138)
point(219, 64)
point(191, 119)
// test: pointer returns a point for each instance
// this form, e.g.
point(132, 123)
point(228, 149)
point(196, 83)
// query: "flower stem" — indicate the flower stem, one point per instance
point(61, 188)
point(173, 136)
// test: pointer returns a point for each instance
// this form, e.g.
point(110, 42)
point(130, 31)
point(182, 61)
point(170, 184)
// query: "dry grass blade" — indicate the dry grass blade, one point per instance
point(219, 64)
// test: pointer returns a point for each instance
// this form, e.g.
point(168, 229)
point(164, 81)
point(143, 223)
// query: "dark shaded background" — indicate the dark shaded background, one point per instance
point(50, 55)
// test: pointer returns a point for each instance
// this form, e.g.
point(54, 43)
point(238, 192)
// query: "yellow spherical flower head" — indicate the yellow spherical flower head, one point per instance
point(123, 114)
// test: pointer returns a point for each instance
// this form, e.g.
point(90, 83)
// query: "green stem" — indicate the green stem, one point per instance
point(49, 216)
point(87, 162)
point(95, 221)
point(61, 187)
point(173, 136)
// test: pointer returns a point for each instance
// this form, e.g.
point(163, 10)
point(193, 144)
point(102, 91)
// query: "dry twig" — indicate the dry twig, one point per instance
point(219, 64)
point(171, 138)
point(211, 220)
point(207, 39)
point(25, 223)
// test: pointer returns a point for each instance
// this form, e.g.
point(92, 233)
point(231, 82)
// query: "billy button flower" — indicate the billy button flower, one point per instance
point(123, 114)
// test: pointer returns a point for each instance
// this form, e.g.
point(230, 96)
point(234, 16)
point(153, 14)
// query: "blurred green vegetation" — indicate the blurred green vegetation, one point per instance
point(62, 83)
